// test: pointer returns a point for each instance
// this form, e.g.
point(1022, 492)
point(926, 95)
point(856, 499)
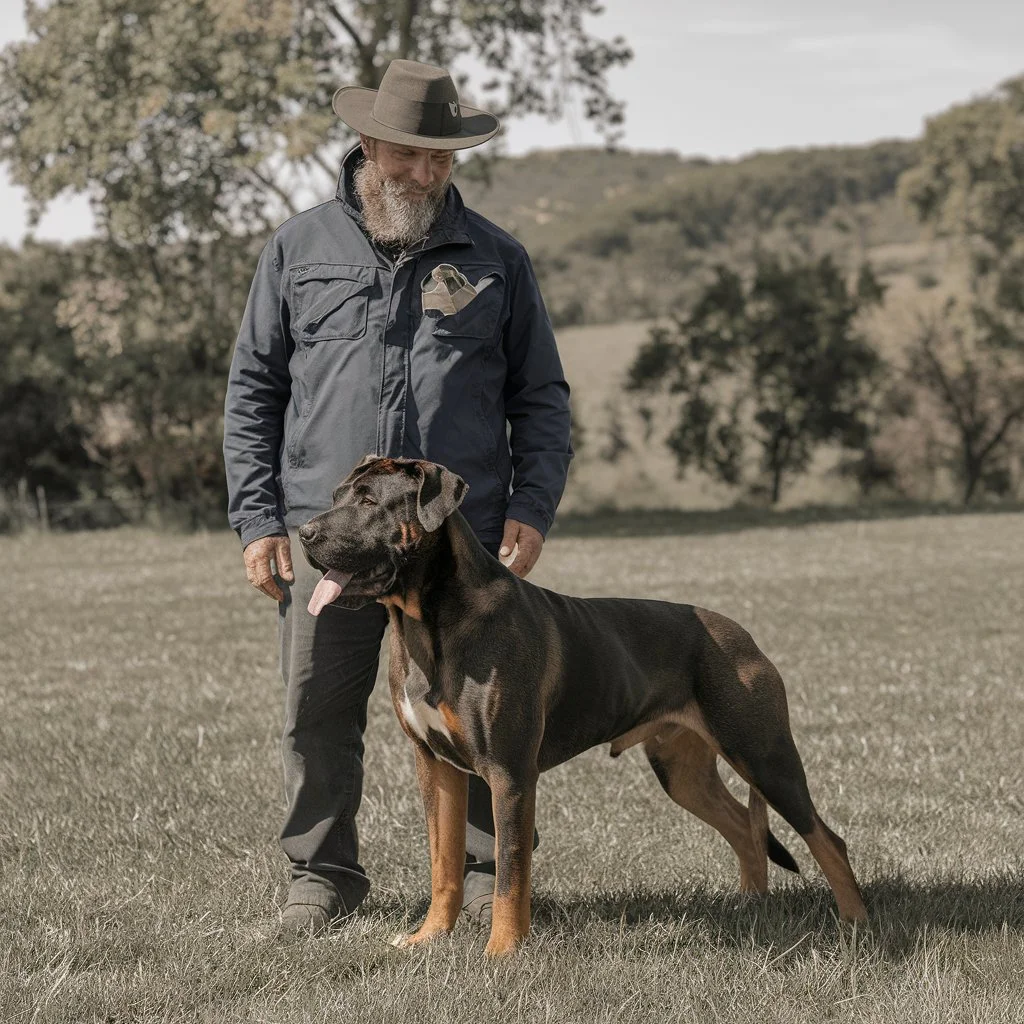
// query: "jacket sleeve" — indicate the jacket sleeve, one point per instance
point(259, 386)
point(536, 406)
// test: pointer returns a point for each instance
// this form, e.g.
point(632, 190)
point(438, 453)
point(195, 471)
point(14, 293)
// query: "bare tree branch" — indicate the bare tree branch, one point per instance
point(943, 381)
point(346, 25)
point(277, 190)
point(998, 436)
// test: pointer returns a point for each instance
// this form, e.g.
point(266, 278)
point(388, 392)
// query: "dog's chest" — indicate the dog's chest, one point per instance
point(423, 719)
point(430, 714)
point(439, 728)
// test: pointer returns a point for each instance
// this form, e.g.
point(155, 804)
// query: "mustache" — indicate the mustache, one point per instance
point(400, 188)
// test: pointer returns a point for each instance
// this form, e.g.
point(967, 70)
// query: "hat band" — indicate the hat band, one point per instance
point(415, 118)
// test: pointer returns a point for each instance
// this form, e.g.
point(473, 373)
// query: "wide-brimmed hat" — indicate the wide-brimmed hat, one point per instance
point(416, 105)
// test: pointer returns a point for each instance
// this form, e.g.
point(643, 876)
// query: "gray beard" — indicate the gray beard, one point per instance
point(389, 215)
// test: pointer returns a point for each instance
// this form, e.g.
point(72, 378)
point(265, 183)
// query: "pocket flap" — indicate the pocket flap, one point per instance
point(322, 289)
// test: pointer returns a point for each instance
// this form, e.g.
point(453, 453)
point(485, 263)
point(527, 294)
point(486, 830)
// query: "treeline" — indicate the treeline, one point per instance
point(870, 299)
point(618, 237)
point(788, 351)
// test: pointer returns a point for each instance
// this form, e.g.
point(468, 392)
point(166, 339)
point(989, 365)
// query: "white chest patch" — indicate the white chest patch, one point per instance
point(421, 718)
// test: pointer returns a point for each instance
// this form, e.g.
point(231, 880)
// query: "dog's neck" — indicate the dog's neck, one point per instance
point(432, 591)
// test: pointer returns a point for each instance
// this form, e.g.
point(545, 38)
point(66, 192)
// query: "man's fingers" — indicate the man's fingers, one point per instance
point(508, 538)
point(257, 558)
point(263, 580)
point(526, 559)
point(529, 540)
point(283, 558)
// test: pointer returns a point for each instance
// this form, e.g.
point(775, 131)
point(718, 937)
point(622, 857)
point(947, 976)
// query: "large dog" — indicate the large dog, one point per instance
point(494, 675)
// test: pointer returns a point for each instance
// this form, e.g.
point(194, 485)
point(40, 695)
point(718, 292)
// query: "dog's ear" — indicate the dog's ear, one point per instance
point(360, 468)
point(440, 494)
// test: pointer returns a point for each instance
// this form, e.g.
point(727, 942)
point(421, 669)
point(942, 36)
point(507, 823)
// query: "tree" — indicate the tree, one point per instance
point(192, 118)
point(194, 127)
point(776, 364)
point(153, 343)
point(41, 439)
point(978, 389)
point(969, 187)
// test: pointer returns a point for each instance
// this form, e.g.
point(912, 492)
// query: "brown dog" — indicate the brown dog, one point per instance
point(493, 675)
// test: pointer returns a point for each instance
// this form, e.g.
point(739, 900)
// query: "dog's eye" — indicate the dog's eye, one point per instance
point(366, 499)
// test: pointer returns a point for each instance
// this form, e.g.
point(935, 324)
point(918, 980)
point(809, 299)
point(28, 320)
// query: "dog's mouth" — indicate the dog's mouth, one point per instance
point(328, 590)
point(337, 584)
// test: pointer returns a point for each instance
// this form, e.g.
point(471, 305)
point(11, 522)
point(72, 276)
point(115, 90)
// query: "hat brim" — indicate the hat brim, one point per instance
point(354, 105)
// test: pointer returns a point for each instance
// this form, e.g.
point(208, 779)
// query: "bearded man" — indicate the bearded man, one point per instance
point(389, 320)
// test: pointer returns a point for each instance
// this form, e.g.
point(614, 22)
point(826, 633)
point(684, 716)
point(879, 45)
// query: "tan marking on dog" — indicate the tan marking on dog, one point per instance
point(830, 853)
point(451, 720)
point(445, 796)
point(664, 728)
point(408, 604)
point(751, 667)
point(687, 767)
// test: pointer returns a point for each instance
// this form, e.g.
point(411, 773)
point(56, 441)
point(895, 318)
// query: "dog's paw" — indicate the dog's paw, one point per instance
point(424, 935)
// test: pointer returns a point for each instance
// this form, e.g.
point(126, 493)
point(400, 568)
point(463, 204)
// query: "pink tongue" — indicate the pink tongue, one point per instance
point(327, 590)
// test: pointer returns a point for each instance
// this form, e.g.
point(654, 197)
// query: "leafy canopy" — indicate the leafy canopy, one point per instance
point(775, 365)
point(193, 117)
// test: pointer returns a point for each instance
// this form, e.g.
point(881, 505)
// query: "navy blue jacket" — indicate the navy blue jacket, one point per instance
point(336, 359)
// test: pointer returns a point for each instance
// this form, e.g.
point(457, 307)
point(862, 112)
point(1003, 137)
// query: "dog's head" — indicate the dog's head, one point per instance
point(386, 513)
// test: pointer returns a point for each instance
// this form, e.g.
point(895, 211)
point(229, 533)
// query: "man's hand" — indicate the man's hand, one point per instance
point(257, 557)
point(530, 541)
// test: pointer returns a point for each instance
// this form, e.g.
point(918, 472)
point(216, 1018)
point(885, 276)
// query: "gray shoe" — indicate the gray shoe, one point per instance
point(306, 920)
point(477, 897)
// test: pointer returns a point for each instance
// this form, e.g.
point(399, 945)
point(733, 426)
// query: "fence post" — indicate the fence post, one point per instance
point(24, 507)
point(44, 512)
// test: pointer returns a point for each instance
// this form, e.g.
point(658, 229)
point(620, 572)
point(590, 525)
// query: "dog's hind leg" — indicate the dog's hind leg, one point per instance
point(685, 766)
point(768, 760)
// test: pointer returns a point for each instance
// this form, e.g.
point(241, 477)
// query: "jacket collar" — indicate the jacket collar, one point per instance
point(451, 226)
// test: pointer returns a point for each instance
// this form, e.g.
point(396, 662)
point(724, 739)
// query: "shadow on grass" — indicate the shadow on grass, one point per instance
point(901, 911)
point(677, 522)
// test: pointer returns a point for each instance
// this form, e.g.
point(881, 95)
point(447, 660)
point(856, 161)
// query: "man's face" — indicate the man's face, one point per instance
point(419, 172)
point(402, 189)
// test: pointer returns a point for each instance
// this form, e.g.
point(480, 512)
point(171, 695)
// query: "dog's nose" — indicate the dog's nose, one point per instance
point(309, 532)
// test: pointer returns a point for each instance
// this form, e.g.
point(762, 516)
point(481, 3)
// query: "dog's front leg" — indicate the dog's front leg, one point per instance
point(514, 805)
point(445, 795)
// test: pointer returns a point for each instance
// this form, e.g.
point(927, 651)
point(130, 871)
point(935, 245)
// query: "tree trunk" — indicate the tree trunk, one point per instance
point(776, 483)
point(972, 474)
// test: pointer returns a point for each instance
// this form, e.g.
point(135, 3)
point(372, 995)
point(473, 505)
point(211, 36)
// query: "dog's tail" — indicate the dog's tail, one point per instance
point(764, 840)
point(778, 853)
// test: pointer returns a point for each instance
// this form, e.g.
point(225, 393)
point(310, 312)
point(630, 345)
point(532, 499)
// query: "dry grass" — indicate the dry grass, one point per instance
point(139, 798)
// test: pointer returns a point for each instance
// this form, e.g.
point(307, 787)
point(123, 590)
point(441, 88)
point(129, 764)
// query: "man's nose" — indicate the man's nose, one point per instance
point(422, 173)
point(309, 532)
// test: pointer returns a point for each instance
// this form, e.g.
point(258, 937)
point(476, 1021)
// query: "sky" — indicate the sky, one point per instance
point(720, 78)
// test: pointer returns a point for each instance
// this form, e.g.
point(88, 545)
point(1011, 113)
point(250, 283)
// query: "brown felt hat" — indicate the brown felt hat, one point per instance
point(416, 105)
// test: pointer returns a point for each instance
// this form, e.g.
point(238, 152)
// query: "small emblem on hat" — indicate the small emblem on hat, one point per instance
point(454, 108)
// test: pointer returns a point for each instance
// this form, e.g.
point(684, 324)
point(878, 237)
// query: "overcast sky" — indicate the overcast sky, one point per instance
point(723, 78)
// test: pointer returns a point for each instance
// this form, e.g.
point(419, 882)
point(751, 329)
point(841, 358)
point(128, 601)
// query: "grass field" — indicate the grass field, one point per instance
point(140, 797)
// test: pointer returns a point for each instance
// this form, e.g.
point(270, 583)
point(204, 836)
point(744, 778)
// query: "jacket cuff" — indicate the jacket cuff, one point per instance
point(525, 510)
point(266, 524)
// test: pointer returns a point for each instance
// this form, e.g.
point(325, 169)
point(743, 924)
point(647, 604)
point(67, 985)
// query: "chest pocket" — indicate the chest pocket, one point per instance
point(331, 301)
point(480, 318)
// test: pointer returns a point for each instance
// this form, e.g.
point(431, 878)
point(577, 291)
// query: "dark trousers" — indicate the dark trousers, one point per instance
point(329, 665)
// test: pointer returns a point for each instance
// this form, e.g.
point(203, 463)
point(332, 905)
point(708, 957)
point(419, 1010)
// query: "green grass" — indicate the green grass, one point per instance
point(140, 796)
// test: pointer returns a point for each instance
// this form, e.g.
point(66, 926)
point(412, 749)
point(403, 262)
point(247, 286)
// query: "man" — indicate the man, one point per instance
point(389, 320)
